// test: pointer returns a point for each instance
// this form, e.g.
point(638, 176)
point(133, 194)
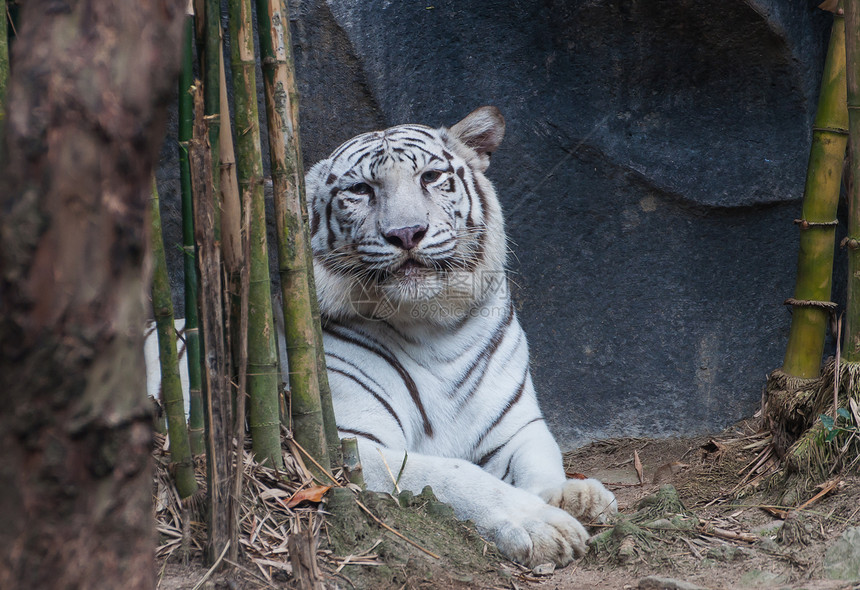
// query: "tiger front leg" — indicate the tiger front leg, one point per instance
point(536, 465)
point(585, 499)
point(524, 527)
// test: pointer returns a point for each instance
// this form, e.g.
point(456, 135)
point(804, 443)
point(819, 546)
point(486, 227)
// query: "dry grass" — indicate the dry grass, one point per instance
point(267, 514)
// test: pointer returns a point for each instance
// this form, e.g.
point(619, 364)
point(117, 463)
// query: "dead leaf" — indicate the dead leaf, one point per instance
point(575, 475)
point(314, 494)
point(637, 465)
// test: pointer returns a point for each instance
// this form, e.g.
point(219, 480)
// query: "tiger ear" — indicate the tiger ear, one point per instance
point(482, 130)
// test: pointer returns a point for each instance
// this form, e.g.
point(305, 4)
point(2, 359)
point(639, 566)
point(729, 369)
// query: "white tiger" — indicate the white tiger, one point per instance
point(425, 354)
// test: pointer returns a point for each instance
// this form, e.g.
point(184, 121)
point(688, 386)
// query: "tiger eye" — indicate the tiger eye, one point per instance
point(430, 176)
point(362, 188)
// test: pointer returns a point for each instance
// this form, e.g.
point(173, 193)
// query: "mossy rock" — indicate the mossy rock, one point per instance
point(465, 559)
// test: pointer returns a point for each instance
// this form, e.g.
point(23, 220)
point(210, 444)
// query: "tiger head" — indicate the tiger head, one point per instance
point(404, 224)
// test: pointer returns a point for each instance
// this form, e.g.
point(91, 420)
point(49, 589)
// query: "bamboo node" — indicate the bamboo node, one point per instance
point(850, 243)
point(825, 305)
point(836, 130)
point(804, 224)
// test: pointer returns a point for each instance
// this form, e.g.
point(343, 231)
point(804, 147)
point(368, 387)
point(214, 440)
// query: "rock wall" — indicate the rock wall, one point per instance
point(654, 161)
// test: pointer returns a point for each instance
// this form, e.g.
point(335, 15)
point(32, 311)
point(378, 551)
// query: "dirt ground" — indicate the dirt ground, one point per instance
point(738, 542)
point(731, 530)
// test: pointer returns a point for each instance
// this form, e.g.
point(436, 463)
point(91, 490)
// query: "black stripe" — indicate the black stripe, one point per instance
point(489, 455)
point(366, 435)
point(422, 149)
point(367, 377)
point(421, 131)
point(328, 222)
point(508, 468)
point(486, 355)
point(511, 403)
point(315, 222)
point(364, 155)
point(349, 144)
point(375, 395)
point(377, 349)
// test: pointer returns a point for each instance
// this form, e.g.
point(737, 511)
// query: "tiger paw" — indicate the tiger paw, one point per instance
point(541, 534)
point(585, 499)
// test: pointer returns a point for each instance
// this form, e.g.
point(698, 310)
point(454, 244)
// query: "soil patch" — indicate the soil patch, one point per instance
point(711, 518)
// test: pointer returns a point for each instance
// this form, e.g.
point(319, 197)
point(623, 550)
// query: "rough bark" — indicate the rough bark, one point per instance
point(217, 402)
point(86, 109)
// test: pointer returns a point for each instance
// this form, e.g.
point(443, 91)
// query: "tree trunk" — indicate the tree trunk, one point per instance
point(86, 111)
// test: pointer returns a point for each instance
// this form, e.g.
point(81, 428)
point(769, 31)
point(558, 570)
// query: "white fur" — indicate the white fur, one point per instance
point(532, 521)
point(406, 352)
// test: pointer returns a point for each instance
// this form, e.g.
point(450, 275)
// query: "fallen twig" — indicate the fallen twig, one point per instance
point(214, 567)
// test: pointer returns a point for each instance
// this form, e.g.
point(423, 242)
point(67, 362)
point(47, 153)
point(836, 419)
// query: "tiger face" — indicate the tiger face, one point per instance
point(404, 224)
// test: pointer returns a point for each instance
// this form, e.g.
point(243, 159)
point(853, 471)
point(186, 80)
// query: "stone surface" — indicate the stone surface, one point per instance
point(657, 583)
point(842, 560)
point(653, 164)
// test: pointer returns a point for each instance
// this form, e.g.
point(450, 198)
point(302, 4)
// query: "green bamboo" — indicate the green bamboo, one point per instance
point(192, 333)
point(211, 67)
point(264, 418)
point(851, 347)
point(295, 265)
point(171, 386)
point(821, 195)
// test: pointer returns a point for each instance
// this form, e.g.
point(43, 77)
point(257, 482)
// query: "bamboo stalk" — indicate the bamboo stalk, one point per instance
point(211, 58)
point(192, 334)
point(216, 386)
point(821, 195)
point(233, 244)
point(311, 408)
point(171, 386)
point(4, 66)
point(241, 390)
point(262, 355)
point(352, 461)
point(852, 311)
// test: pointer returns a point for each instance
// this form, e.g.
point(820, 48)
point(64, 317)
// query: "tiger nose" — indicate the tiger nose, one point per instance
point(405, 237)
